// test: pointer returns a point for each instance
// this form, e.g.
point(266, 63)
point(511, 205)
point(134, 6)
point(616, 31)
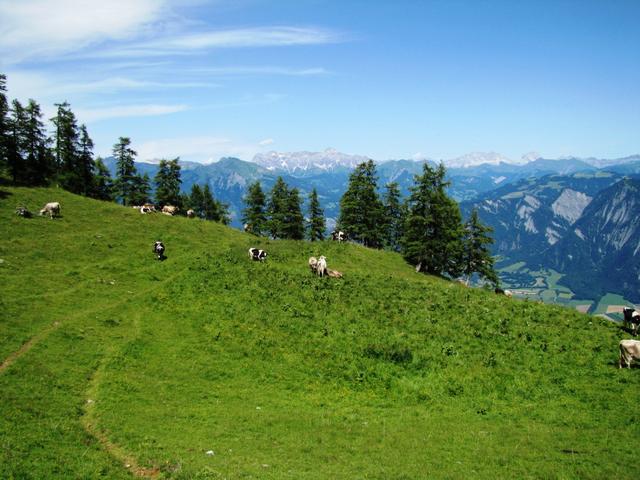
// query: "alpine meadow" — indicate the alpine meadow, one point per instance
point(319, 240)
point(209, 365)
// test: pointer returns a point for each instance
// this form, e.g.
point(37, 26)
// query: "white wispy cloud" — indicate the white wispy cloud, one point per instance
point(277, 36)
point(266, 142)
point(24, 84)
point(260, 70)
point(45, 28)
point(204, 149)
point(52, 29)
point(88, 115)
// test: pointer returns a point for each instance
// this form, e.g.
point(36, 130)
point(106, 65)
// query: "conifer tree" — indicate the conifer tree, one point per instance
point(102, 182)
point(168, 182)
point(4, 125)
point(433, 230)
point(66, 149)
point(126, 173)
point(294, 220)
point(214, 209)
point(196, 200)
point(38, 159)
point(393, 216)
point(277, 207)
point(316, 226)
point(476, 255)
point(206, 207)
point(361, 211)
point(17, 143)
point(85, 164)
point(254, 215)
point(141, 190)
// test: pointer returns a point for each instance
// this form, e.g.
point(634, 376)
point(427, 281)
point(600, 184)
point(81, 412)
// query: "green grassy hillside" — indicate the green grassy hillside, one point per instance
point(116, 365)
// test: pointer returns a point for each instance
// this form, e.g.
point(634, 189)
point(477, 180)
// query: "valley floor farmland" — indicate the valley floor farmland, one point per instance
point(543, 285)
point(208, 365)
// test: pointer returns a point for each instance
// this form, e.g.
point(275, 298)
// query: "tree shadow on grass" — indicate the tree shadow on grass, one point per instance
point(4, 194)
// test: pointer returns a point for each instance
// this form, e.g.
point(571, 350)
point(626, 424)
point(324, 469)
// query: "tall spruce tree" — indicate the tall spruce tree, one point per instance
point(254, 215)
point(168, 183)
point(66, 149)
point(476, 256)
point(125, 182)
point(361, 211)
point(85, 164)
point(214, 209)
point(38, 158)
point(277, 207)
point(5, 129)
point(102, 182)
point(316, 226)
point(294, 220)
point(433, 230)
point(202, 202)
point(393, 216)
point(17, 143)
point(141, 190)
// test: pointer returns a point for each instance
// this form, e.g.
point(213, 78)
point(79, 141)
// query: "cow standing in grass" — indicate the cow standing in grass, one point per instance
point(52, 208)
point(631, 319)
point(313, 264)
point(629, 351)
point(257, 254)
point(158, 249)
point(321, 267)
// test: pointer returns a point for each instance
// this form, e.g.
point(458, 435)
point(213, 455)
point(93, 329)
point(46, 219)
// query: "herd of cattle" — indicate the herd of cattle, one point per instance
point(629, 349)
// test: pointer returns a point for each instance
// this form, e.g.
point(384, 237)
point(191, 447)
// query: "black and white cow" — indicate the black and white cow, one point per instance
point(631, 319)
point(158, 249)
point(338, 236)
point(23, 212)
point(257, 254)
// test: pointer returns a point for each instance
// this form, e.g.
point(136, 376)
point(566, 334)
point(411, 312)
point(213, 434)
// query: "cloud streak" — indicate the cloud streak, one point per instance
point(89, 115)
point(48, 28)
point(258, 37)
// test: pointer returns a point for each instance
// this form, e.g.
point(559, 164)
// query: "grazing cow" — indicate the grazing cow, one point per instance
point(191, 213)
point(321, 266)
point(508, 293)
point(23, 212)
point(52, 208)
point(631, 319)
point(247, 227)
point(257, 254)
point(170, 210)
point(334, 273)
point(144, 209)
point(338, 236)
point(158, 249)
point(629, 351)
point(313, 264)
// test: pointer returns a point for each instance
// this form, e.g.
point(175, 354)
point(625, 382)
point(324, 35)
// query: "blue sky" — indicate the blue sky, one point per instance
point(387, 79)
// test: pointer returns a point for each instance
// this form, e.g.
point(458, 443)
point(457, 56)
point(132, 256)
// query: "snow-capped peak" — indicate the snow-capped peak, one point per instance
point(300, 162)
point(477, 158)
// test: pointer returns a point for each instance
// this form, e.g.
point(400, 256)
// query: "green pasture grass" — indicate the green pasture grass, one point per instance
point(280, 374)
